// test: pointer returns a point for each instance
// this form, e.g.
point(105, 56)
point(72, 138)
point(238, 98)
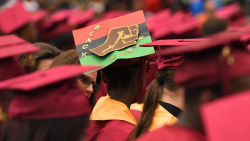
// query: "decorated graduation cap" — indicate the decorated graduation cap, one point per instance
point(37, 98)
point(11, 46)
point(219, 118)
point(13, 18)
point(110, 40)
point(214, 59)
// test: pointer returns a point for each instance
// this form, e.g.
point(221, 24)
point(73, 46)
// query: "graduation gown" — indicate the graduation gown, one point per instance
point(110, 120)
point(162, 116)
point(173, 133)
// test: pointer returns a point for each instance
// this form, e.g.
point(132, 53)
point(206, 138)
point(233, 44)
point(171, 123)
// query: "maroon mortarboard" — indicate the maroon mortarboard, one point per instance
point(228, 12)
point(60, 29)
point(11, 46)
point(13, 18)
point(172, 42)
point(227, 119)
point(176, 27)
point(158, 17)
point(56, 17)
point(38, 15)
point(37, 96)
point(79, 17)
point(170, 61)
point(203, 67)
point(43, 78)
point(109, 15)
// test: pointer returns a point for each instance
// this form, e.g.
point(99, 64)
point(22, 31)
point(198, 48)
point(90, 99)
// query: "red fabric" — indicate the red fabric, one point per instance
point(13, 18)
point(43, 78)
point(109, 15)
point(61, 101)
point(228, 12)
point(114, 130)
point(172, 42)
point(39, 15)
point(136, 114)
point(9, 68)
point(153, 5)
point(207, 71)
point(233, 121)
point(173, 133)
point(11, 45)
point(169, 62)
point(80, 17)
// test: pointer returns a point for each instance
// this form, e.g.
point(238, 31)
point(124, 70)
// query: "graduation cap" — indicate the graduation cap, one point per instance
point(155, 19)
point(13, 18)
point(37, 98)
point(227, 119)
point(203, 65)
point(177, 28)
point(56, 18)
point(228, 12)
point(39, 15)
point(110, 40)
point(169, 61)
point(172, 42)
point(79, 17)
point(11, 46)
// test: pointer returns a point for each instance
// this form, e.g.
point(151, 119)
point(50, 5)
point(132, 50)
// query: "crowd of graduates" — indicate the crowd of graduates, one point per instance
point(124, 70)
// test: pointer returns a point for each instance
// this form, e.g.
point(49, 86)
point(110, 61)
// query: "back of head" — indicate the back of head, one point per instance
point(67, 57)
point(214, 25)
point(120, 77)
point(164, 79)
point(34, 60)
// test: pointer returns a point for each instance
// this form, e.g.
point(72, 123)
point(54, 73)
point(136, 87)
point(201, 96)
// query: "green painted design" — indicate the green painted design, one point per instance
point(112, 57)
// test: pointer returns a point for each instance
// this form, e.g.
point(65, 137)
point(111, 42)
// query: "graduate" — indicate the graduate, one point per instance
point(87, 82)
point(164, 99)
point(204, 80)
point(47, 105)
point(114, 44)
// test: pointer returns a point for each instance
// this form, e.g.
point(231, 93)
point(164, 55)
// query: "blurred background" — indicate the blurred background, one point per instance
point(52, 21)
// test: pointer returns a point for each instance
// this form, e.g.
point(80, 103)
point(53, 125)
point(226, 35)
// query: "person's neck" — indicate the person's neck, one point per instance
point(190, 119)
point(175, 98)
point(123, 95)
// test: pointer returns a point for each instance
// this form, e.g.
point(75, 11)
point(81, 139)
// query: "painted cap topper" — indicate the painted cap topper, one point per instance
point(114, 39)
point(118, 38)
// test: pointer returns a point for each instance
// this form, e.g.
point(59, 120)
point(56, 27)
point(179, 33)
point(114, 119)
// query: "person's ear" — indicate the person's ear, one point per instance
point(206, 95)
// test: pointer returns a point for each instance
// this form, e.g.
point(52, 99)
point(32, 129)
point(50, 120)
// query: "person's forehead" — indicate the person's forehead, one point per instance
point(92, 76)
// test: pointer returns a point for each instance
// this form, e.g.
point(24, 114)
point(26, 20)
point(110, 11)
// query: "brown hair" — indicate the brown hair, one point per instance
point(47, 51)
point(151, 100)
point(67, 57)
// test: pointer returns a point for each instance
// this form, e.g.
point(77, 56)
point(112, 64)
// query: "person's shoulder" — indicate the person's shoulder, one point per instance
point(115, 130)
point(173, 133)
point(158, 134)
